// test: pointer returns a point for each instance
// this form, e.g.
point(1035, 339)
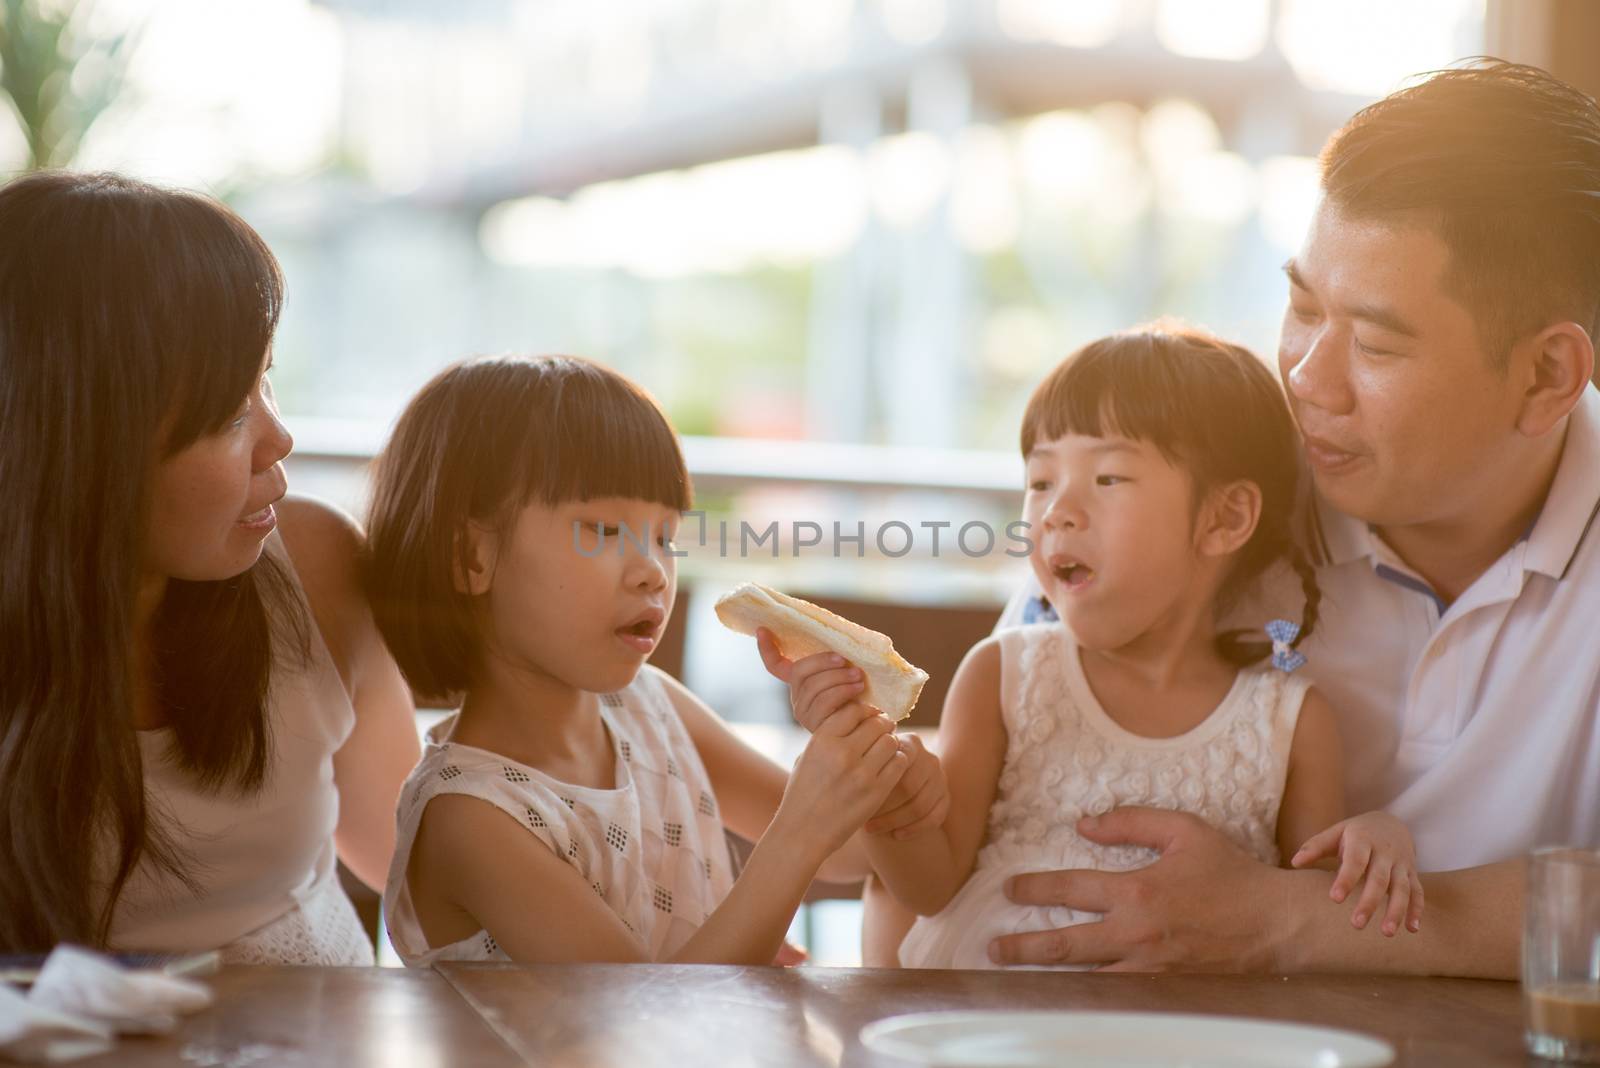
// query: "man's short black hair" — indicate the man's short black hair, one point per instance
point(1502, 160)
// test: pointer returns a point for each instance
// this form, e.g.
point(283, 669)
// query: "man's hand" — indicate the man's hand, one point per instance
point(1205, 905)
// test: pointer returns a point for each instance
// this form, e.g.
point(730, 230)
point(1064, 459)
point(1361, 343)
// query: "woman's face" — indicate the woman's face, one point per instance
point(210, 504)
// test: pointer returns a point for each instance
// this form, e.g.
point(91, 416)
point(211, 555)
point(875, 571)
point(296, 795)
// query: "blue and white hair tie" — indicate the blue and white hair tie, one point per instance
point(1285, 657)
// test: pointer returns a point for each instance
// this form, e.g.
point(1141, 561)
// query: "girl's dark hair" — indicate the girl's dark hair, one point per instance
point(133, 321)
point(484, 439)
point(1213, 410)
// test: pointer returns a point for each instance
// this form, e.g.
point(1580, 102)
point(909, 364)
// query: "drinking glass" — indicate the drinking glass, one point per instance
point(1561, 956)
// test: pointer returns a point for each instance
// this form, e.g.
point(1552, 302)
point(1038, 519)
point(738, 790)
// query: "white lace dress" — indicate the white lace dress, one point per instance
point(1066, 758)
point(653, 848)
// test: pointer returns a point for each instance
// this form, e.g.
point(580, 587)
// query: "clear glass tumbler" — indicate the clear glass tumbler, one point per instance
point(1561, 956)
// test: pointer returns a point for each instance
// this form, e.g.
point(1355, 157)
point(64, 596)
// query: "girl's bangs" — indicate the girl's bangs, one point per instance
point(609, 440)
point(1115, 387)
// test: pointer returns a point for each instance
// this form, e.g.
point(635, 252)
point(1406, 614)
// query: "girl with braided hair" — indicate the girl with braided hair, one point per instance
point(1162, 475)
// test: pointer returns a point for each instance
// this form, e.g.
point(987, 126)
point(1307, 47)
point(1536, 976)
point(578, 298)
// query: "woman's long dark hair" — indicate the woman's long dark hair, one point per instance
point(133, 321)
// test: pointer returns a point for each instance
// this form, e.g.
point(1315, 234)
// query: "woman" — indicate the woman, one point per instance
point(196, 710)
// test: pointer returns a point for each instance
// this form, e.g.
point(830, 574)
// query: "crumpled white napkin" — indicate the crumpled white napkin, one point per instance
point(82, 1000)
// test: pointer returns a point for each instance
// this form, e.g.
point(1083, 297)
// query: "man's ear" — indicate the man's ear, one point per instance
point(1558, 363)
point(1228, 518)
point(474, 555)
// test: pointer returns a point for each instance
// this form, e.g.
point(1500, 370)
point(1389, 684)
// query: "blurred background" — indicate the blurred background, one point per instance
point(840, 240)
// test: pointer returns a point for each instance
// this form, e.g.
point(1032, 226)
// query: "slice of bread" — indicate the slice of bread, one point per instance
point(802, 628)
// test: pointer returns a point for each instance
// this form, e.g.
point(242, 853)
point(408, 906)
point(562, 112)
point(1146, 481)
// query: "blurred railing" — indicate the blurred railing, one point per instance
point(338, 451)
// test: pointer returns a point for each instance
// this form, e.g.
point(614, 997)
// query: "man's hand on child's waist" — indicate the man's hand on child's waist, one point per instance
point(1204, 905)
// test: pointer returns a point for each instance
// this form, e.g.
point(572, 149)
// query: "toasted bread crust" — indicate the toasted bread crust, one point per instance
point(802, 628)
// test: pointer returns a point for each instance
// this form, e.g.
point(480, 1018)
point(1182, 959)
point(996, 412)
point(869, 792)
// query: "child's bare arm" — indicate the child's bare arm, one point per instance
point(820, 685)
point(926, 870)
point(488, 869)
point(480, 869)
point(1376, 849)
point(920, 801)
point(1313, 794)
point(537, 907)
point(885, 922)
point(750, 785)
point(846, 771)
point(1312, 829)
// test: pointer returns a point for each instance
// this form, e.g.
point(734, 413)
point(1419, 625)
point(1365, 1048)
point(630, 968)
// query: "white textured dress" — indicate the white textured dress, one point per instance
point(652, 848)
point(1066, 758)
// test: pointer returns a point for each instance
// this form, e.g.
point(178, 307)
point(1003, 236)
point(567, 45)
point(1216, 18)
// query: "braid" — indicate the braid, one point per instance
point(1308, 584)
point(1241, 648)
point(1246, 647)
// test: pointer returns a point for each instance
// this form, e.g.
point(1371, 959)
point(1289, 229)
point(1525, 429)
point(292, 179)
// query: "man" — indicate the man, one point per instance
point(1437, 351)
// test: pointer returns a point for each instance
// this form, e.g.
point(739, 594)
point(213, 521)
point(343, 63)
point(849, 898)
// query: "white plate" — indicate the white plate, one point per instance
point(1117, 1040)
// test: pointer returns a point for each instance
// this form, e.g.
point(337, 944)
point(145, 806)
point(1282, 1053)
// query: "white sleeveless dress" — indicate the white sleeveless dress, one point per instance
point(1066, 758)
point(653, 848)
point(264, 863)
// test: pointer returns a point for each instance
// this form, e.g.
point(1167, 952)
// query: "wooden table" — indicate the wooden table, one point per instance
point(677, 1016)
point(283, 1017)
point(686, 1016)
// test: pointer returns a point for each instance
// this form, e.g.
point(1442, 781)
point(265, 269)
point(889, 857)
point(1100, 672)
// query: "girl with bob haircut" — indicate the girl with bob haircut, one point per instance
point(187, 736)
point(1162, 475)
point(574, 808)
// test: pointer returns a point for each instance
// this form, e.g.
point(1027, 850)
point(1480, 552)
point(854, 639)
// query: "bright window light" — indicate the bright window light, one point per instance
point(1368, 47)
point(1289, 190)
point(1077, 23)
point(1213, 29)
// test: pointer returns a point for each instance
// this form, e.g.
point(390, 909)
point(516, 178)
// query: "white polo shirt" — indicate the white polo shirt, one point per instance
point(1478, 724)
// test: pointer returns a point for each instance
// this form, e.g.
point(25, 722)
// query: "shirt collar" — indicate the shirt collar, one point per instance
point(1569, 510)
point(1568, 514)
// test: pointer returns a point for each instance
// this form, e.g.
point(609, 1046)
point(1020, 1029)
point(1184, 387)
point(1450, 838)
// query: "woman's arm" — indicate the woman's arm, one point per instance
point(324, 545)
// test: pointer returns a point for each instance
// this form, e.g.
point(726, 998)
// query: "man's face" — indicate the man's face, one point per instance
point(1405, 421)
